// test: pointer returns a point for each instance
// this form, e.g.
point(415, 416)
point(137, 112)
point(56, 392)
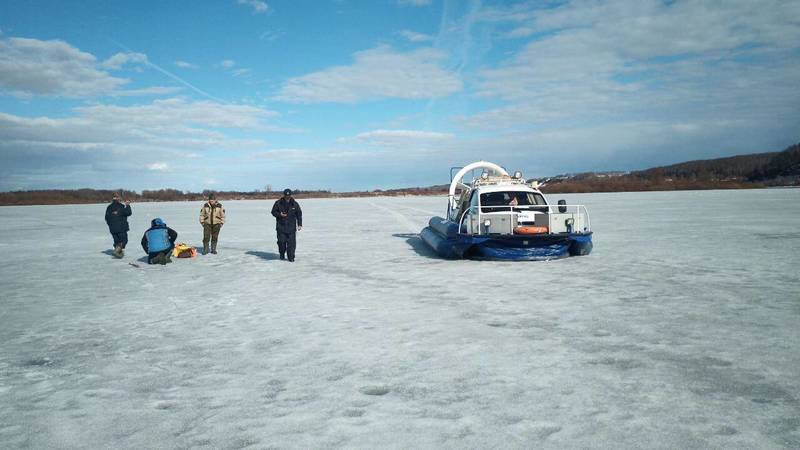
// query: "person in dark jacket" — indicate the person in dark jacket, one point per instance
point(158, 242)
point(117, 220)
point(288, 220)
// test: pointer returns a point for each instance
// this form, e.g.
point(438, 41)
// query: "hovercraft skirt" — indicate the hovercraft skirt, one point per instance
point(443, 237)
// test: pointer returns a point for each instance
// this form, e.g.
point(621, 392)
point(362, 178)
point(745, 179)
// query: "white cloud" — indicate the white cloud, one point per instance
point(99, 144)
point(178, 111)
point(271, 35)
point(615, 61)
point(521, 32)
point(158, 167)
point(120, 59)
point(294, 154)
point(515, 115)
point(377, 73)
point(413, 36)
point(315, 160)
point(241, 72)
point(655, 28)
point(259, 7)
point(414, 2)
point(55, 68)
point(183, 82)
point(515, 13)
point(391, 144)
point(229, 64)
point(153, 90)
point(402, 137)
point(185, 65)
point(174, 127)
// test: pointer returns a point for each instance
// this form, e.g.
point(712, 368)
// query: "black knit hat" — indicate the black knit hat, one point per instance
point(287, 192)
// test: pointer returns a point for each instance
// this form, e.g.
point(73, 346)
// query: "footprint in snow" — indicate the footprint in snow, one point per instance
point(39, 362)
point(165, 405)
point(374, 390)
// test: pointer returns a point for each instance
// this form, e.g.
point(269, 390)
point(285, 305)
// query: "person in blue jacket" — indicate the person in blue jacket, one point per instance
point(117, 220)
point(158, 242)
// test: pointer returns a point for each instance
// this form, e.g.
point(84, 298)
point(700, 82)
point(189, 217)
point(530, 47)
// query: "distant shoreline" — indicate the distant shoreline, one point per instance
point(383, 194)
point(752, 171)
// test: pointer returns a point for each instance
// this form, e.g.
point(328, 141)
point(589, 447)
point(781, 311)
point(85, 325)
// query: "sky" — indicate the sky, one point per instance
point(375, 94)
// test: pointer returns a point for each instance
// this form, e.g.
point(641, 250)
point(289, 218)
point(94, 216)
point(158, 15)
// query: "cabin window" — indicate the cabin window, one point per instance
point(473, 201)
point(467, 200)
point(501, 201)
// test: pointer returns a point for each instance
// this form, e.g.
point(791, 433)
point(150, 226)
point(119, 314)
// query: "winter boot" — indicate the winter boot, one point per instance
point(214, 248)
point(205, 248)
point(117, 252)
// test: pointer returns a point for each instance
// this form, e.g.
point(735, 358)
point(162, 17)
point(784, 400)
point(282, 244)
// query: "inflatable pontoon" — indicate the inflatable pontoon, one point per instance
point(501, 217)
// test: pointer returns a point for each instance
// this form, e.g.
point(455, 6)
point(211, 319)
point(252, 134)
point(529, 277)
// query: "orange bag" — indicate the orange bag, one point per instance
point(530, 229)
point(184, 251)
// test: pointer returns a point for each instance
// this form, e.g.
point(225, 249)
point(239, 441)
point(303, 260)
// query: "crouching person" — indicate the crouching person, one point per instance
point(158, 242)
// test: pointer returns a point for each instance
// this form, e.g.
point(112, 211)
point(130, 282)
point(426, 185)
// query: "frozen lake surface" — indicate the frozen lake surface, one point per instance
point(681, 330)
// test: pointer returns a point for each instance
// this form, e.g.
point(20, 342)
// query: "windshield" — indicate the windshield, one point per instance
point(512, 198)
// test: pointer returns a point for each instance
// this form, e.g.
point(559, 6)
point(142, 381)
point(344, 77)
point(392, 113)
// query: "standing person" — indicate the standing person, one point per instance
point(212, 217)
point(158, 242)
point(288, 220)
point(117, 220)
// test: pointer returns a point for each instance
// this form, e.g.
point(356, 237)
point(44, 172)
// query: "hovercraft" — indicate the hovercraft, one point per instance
point(498, 216)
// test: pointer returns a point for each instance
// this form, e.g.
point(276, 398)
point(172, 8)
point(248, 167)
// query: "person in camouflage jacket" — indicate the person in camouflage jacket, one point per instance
point(212, 217)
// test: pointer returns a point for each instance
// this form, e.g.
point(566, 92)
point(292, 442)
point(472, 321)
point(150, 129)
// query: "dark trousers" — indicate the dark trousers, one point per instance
point(211, 232)
point(167, 254)
point(120, 239)
point(287, 243)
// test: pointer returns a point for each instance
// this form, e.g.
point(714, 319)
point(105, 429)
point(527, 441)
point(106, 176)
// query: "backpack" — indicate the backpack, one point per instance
point(184, 251)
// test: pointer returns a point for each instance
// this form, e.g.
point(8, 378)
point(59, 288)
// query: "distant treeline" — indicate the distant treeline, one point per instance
point(735, 172)
point(78, 196)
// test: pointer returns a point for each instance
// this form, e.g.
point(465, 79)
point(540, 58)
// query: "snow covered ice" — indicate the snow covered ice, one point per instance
point(680, 330)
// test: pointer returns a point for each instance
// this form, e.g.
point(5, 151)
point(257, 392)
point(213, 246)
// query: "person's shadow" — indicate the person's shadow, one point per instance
point(143, 259)
point(263, 255)
point(418, 245)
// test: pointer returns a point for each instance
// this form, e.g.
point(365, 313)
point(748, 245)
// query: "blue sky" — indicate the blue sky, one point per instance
point(343, 95)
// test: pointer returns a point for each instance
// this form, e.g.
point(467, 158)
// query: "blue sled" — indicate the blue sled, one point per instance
point(442, 236)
